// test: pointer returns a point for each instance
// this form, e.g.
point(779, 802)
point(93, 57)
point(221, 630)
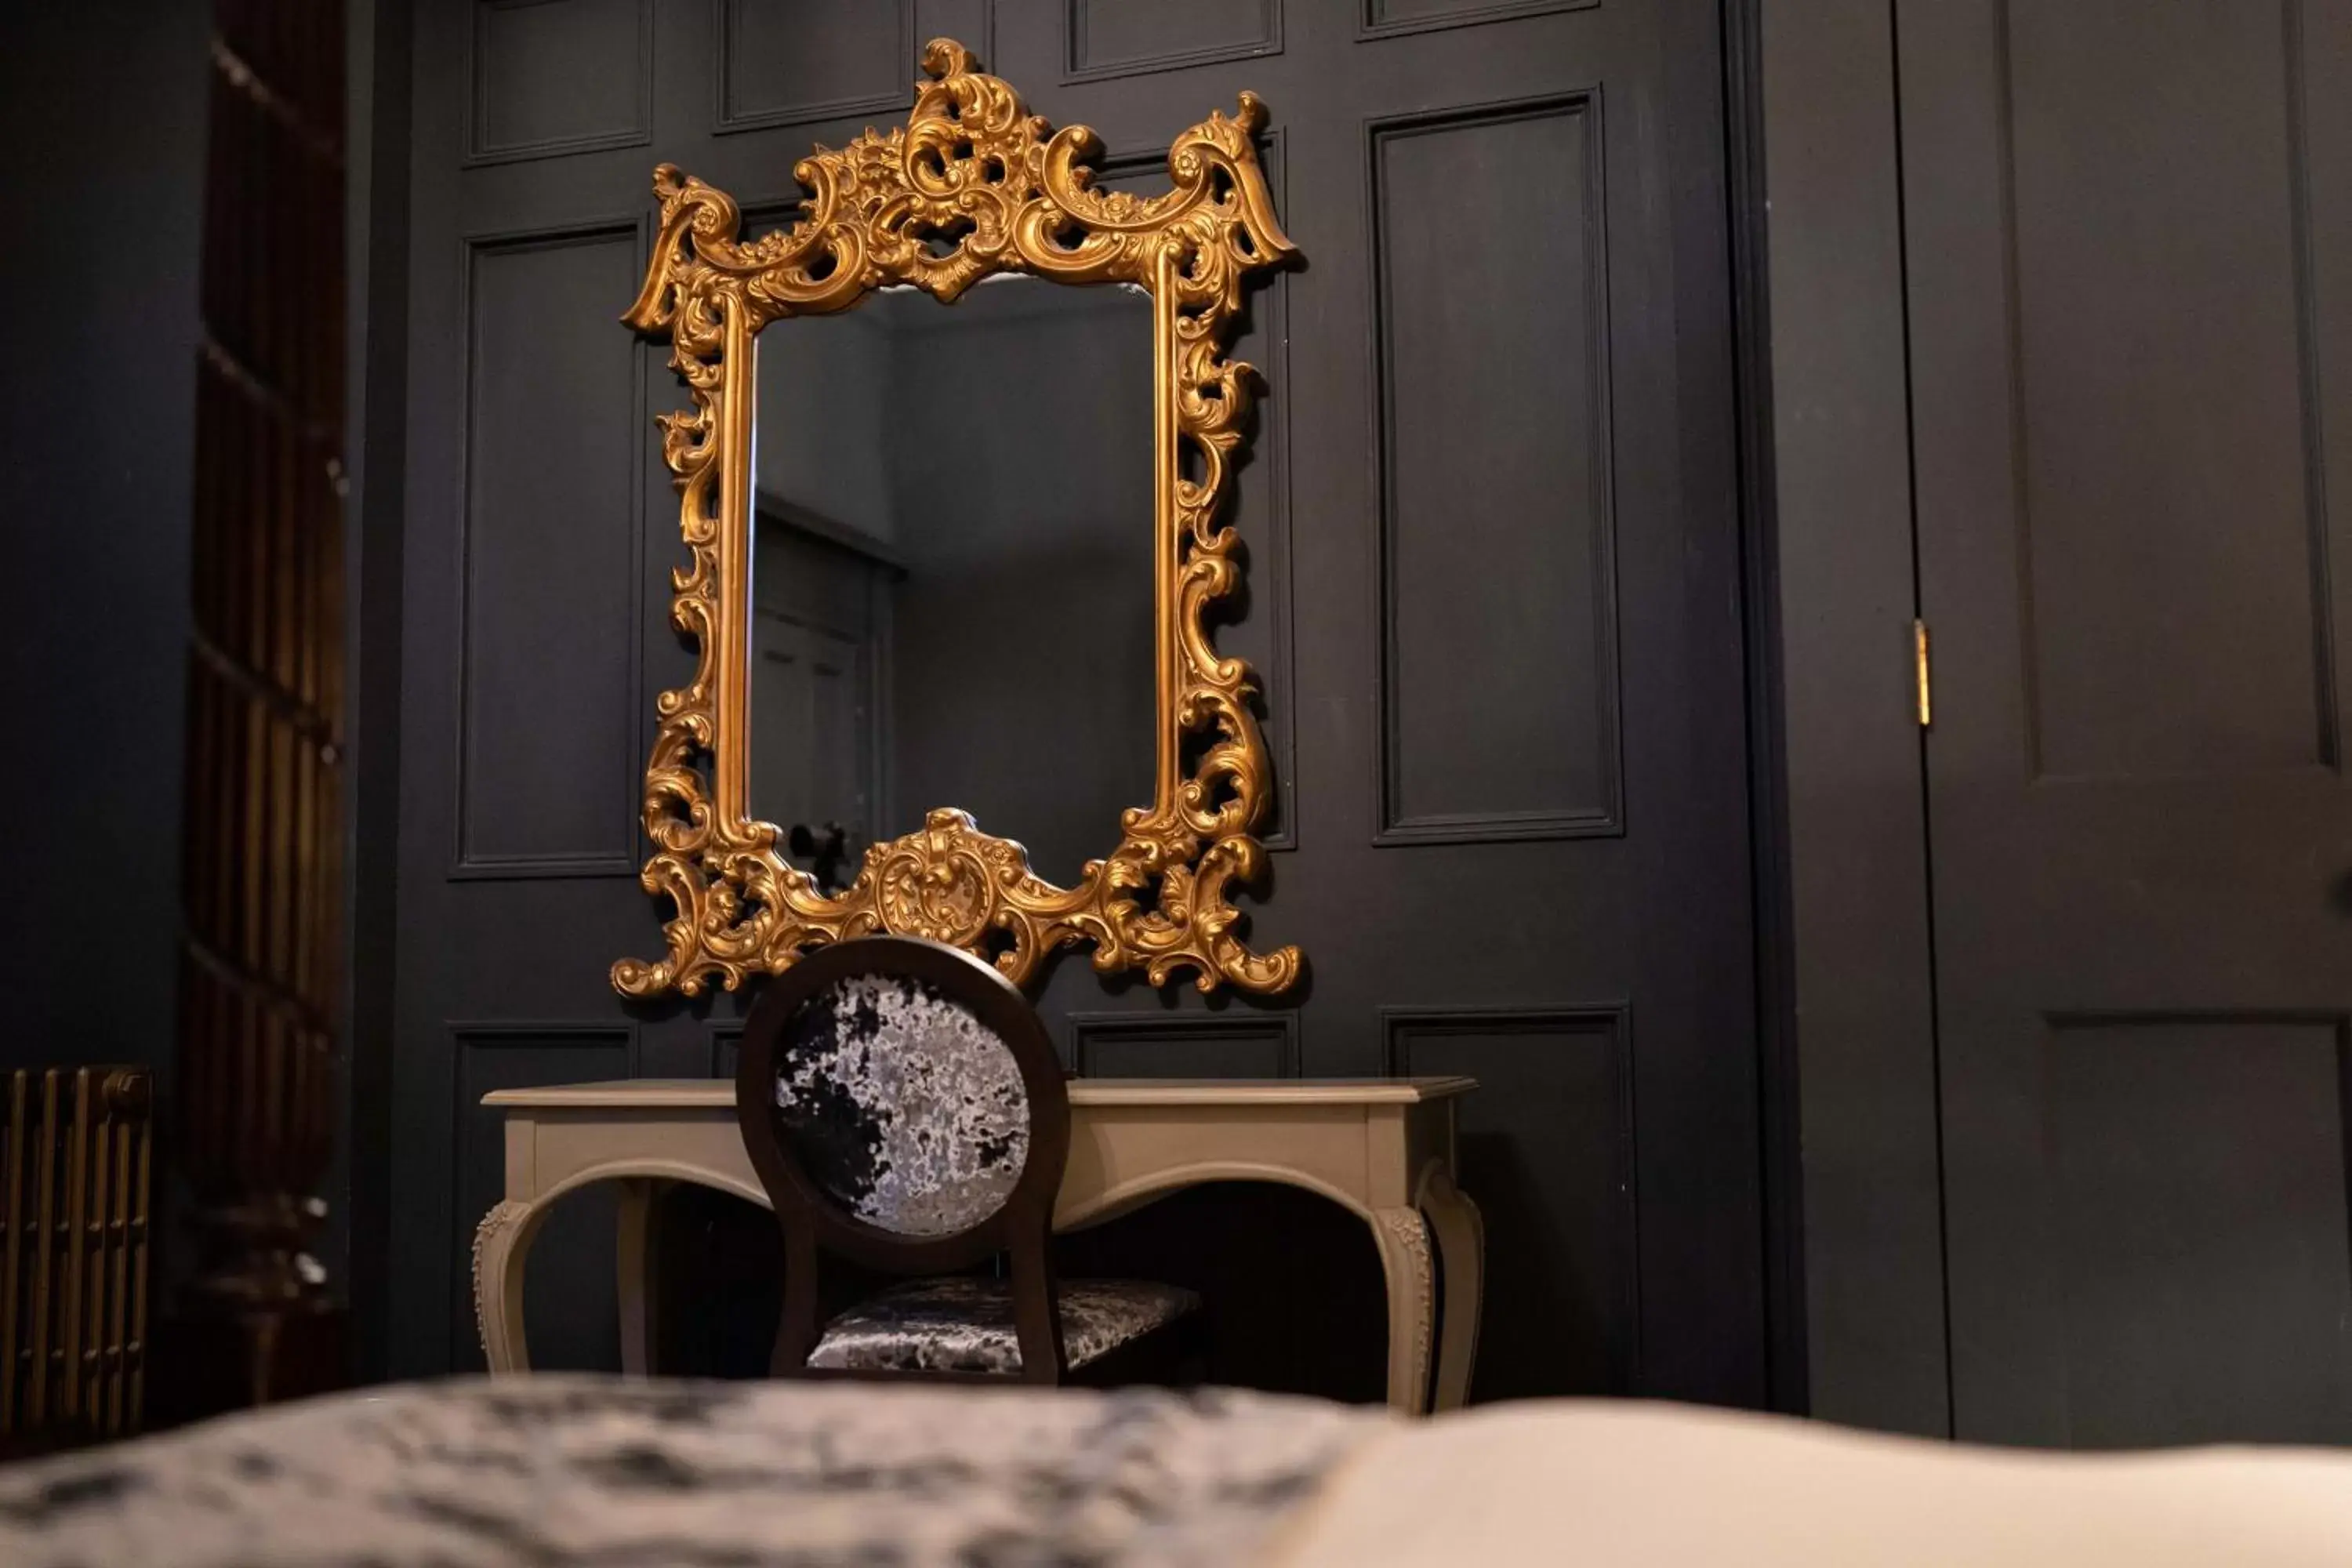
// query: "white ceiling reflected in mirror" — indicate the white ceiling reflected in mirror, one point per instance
point(951, 571)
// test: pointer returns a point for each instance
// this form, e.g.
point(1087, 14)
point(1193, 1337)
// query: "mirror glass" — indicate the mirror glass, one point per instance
point(952, 581)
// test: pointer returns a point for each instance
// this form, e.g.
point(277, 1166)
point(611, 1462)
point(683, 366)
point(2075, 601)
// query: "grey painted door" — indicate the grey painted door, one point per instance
point(1494, 600)
point(2129, 238)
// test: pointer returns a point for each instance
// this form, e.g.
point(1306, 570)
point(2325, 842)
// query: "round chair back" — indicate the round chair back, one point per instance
point(902, 1100)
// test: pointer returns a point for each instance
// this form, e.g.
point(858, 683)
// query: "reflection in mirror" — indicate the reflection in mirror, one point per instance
point(951, 584)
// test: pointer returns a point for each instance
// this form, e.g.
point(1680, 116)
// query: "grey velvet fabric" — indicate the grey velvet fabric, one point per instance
point(578, 1471)
point(965, 1324)
point(902, 1105)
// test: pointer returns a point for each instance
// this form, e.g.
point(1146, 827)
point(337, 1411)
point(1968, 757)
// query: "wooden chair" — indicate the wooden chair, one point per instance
point(903, 1107)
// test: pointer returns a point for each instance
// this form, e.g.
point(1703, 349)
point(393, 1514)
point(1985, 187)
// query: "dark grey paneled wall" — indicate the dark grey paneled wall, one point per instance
point(2197, 1170)
point(1872, 1220)
point(1133, 1045)
point(2127, 394)
point(2219, 658)
point(787, 65)
point(1493, 600)
point(2053, 368)
point(565, 1327)
point(550, 523)
point(1122, 37)
point(1570, 1288)
point(98, 263)
point(601, 97)
point(1480, 408)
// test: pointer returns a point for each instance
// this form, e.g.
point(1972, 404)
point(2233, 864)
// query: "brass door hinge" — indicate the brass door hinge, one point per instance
point(1919, 659)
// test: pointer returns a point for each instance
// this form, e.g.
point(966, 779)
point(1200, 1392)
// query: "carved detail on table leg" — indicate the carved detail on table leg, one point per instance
point(1461, 1235)
point(638, 1259)
point(1405, 1263)
point(501, 1243)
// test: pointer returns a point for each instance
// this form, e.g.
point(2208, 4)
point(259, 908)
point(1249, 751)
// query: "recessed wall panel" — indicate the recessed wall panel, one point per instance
point(559, 76)
point(1498, 670)
point(725, 1039)
point(1546, 1150)
point(1381, 17)
point(549, 758)
point(1128, 38)
point(785, 64)
point(571, 1314)
point(1143, 1045)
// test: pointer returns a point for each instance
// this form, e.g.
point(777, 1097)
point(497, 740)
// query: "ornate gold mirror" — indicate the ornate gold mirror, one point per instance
point(856, 492)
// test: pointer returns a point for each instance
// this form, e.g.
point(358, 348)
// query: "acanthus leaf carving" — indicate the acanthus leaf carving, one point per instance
point(972, 184)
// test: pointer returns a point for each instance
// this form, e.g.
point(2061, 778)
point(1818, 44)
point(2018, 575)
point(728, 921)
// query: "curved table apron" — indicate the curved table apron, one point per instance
point(1382, 1148)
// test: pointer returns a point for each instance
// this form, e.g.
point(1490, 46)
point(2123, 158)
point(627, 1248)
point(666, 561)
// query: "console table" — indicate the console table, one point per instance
point(1382, 1148)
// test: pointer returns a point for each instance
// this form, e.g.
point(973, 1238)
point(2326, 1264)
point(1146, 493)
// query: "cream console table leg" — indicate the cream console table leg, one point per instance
point(501, 1245)
point(1461, 1235)
point(1403, 1241)
point(638, 1255)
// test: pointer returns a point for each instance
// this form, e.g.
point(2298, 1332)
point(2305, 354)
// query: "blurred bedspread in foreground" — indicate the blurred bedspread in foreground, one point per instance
point(567, 1471)
point(556, 1471)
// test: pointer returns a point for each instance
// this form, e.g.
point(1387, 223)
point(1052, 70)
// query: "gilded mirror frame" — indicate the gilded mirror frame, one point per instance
point(971, 184)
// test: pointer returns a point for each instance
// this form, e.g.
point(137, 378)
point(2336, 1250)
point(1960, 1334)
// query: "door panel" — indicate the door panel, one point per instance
point(2164, 1198)
point(2131, 297)
point(2155, 246)
point(1492, 605)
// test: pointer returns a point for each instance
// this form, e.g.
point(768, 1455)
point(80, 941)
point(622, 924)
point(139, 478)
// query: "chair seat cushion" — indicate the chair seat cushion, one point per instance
point(965, 1324)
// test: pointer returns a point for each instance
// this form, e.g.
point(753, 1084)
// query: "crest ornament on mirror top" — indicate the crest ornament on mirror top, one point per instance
point(972, 184)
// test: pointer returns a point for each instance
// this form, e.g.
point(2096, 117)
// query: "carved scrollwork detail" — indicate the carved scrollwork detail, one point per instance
point(503, 1218)
point(971, 184)
point(1406, 1235)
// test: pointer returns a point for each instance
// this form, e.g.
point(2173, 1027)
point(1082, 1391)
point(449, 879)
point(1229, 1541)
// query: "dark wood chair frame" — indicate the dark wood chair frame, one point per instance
point(814, 1222)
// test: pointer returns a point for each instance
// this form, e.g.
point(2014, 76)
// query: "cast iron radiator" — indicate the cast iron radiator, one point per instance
point(75, 1156)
